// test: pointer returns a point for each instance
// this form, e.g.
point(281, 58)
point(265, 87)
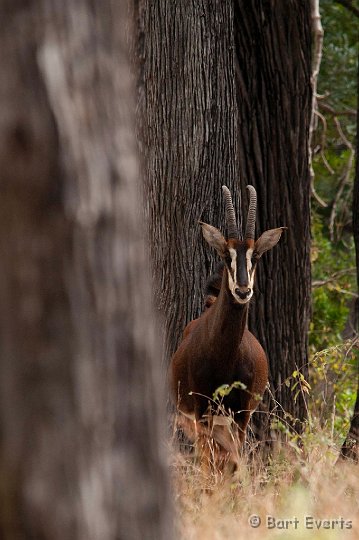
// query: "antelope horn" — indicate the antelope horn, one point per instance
point(251, 218)
point(230, 214)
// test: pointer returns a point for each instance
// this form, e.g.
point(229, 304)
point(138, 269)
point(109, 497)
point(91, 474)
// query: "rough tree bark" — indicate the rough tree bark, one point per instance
point(226, 95)
point(80, 387)
point(273, 51)
point(189, 114)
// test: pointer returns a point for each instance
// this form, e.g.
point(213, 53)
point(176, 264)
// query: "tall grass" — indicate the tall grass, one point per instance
point(290, 486)
point(302, 479)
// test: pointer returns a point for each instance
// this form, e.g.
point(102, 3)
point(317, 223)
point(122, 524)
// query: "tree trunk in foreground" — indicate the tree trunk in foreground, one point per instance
point(79, 368)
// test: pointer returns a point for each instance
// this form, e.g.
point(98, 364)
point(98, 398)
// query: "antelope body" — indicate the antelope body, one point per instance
point(217, 348)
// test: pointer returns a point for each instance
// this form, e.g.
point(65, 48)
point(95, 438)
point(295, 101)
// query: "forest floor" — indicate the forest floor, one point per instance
point(301, 492)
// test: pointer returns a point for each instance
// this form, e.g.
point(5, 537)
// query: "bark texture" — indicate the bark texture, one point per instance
point(225, 95)
point(273, 52)
point(189, 118)
point(80, 450)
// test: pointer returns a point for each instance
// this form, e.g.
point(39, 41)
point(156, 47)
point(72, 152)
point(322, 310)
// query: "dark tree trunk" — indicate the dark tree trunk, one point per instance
point(350, 448)
point(225, 89)
point(79, 371)
point(273, 52)
point(189, 116)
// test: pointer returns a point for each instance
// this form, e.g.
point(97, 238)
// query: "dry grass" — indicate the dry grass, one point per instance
point(294, 484)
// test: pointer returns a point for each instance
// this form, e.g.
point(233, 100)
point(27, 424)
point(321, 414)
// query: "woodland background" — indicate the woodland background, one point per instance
point(119, 123)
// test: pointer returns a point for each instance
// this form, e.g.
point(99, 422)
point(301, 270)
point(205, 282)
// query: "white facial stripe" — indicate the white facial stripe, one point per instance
point(233, 255)
point(249, 268)
point(249, 259)
point(232, 279)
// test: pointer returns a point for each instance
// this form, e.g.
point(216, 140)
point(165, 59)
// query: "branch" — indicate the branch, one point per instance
point(323, 144)
point(347, 143)
point(317, 58)
point(326, 163)
point(349, 5)
point(342, 183)
point(344, 178)
point(318, 198)
point(320, 282)
point(327, 108)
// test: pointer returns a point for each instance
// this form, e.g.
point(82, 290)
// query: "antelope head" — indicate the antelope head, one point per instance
point(240, 256)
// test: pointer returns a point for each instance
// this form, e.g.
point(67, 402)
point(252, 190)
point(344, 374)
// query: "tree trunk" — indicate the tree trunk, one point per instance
point(189, 114)
point(350, 448)
point(79, 371)
point(273, 52)
point(226, 95)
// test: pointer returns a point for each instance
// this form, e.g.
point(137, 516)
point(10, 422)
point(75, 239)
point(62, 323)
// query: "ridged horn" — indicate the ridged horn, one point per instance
point(251, 217)
point(230, 214)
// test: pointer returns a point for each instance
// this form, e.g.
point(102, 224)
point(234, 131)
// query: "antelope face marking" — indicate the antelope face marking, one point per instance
point(240, 258)
point(241, 267)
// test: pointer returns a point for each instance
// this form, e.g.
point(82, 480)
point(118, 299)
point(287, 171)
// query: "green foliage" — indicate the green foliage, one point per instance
point(297, 384)
point(334, 381)
point(331, 300)
point(333, 373)
point(226, 389)
point(338, 67)
point(337, 102)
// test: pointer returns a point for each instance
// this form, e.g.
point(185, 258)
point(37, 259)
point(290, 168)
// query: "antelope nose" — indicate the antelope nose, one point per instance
point(242, 294)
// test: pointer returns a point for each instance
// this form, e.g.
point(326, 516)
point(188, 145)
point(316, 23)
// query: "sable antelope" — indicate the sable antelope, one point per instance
point(217, 348)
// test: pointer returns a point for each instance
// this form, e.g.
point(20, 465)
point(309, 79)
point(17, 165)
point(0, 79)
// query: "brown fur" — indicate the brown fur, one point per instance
point(213, 286)
point(218, 349)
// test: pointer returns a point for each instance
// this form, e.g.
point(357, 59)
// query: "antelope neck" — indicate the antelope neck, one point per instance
point(229, 319)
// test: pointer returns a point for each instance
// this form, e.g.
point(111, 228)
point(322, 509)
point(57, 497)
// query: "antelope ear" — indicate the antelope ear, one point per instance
point(215, 238)
point(267, 240)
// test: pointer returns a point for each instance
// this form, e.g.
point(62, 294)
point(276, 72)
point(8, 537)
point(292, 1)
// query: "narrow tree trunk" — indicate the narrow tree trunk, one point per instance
point(80, 387)
point(350, 448)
